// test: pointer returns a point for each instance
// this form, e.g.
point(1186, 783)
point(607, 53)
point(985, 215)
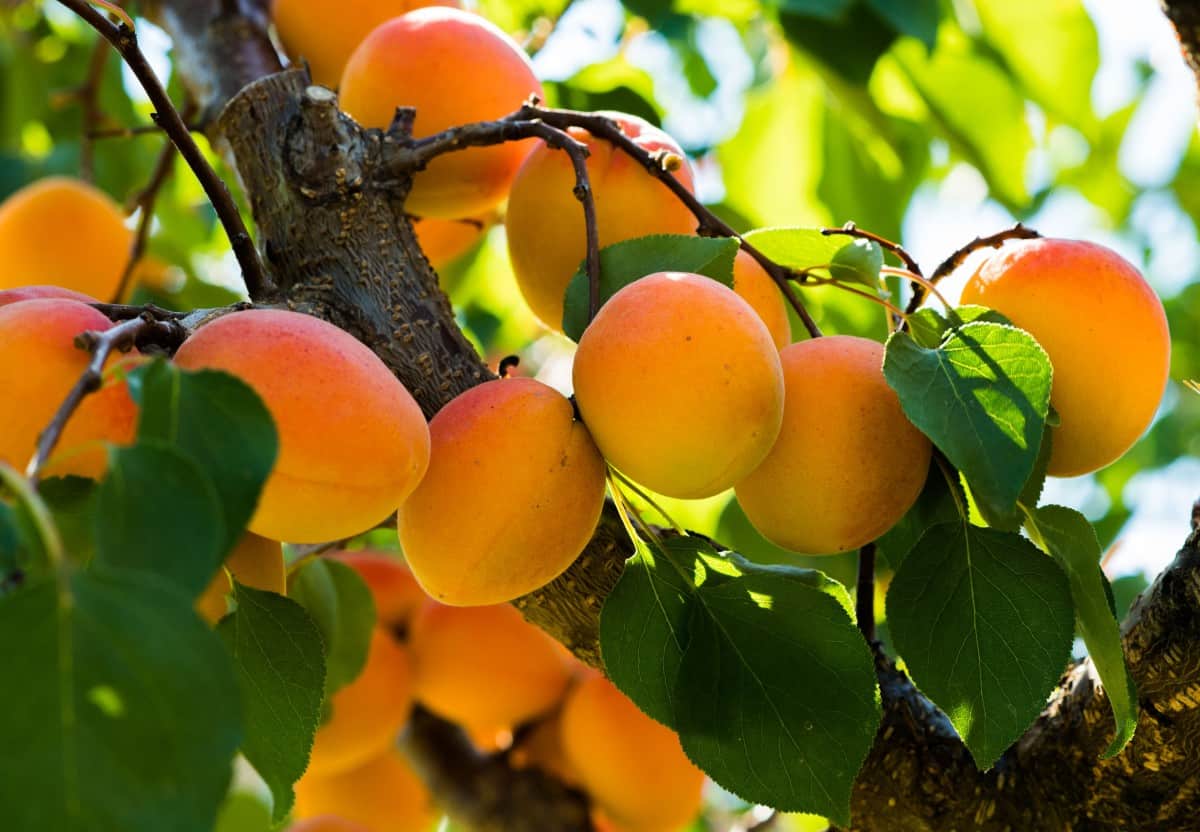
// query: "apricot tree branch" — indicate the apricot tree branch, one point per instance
point(1017, 232)
point(852, 230)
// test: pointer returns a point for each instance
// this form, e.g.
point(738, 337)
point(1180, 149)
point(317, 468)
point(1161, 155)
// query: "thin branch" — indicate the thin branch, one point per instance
point(1017, 232)
point(864, 594)
point(136, 130)
point(89, 92)
point(124, 39)
point(852, 230)
point(145, 200)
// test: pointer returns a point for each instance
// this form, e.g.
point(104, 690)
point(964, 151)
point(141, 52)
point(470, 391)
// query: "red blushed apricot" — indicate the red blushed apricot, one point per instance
point(255, 562)
point(755, 286)
point(547, 238)
point(327, 823)
point(33, 222)
point(453, 67)
point(679, 382)
point(485, 667)
point(39, 364)
point(40, 293)
point(368, 713)
point(352, 441)
point(847, 464)
point(324, 33)
point(512, 451)
point(395, 591)
point(632, 767)
point(383, 794)
point(1105, 332)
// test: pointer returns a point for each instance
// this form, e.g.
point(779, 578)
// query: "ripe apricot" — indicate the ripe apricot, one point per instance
point(39, 364)
point(366, 714)
point(394, 589)
point(325, 33)
point(33, 223)
point(1105, 332)
point(327, 823)
point(352, 441)
point(547, 238)
point(632, 767)
point(444, 241)
point(383, 794)
point(512, 451)
point(847, 464)
point(41, 292)
point(255, 562)
point(679, 382)
point(485, 667)
point(453, 67)
point(755, 286)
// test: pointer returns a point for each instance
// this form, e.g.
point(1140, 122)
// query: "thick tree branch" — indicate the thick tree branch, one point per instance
point(1185, 17)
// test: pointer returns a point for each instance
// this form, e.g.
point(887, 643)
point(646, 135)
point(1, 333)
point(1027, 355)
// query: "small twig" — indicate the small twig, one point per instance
point(145, 200)
point(124, 39)
point(89, 92)
point(124, 312)
point(1017, 232)
point(136, 130)
point(864, 595)
point(852, 230)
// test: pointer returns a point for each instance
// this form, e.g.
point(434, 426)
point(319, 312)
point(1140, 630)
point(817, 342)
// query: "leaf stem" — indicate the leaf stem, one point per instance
point(43, 522)
point(636, 489)
point(952, 481)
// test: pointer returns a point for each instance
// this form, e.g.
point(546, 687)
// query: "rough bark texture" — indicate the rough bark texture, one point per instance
point(327, 199)
point(1185, 17)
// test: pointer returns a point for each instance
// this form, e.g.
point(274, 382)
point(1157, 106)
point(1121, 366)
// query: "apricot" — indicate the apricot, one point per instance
point(679, 382)
point(755, 286)
point(1105, 332)
point(395, 591)
point(847, 464)
point(325, 33)
point(453, 67)
point(632, 767)
point(39, 364)
point(255, 562)
point(542, 749)
point(547, 238)
point(64, 232)
point(383, 794)
point(41, 292)
point(367, 714)
point(327, 823)
point(513, 492)
point(352, 441)
point(485, 667)
point(444, 241)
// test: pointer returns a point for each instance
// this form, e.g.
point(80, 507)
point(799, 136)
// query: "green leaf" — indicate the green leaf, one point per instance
point(1011, 521)
point(625, 262)
point(340, 603)
point(277, 652)
point(929, 326)
point(849, 45)
point(72, 503)
point(1070, 538)
point(984, 623)
point(157, 512)
point(122, 710)
point(799, 248)
point(936, 504)
point(221, 423)
point(825, 9)
point(859, 261)
point(918, 18)
point(982, 397)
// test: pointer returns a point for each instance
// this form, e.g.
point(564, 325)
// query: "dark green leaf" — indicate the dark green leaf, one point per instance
point(936, 504)
point(72, 502)
point(918, 18)
point(340, 603)
point(825, 9)
point(984, 623)
point(1012, 521)
point(849, 45)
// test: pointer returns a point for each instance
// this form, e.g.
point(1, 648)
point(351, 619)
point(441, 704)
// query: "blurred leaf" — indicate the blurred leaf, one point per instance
point(849, 44)
point(72, 502)
point(243, 812)
point(614, 84)
point(1125, 591)
point(340, 603)
point(918, 18)
point(824, 9)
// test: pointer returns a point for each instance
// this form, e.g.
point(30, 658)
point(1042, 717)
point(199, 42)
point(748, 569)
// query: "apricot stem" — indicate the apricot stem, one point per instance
point(952, 482)
point(923, 282)
point(632, 486)
point(27, 495)
point(837, 284)
point(629, 516)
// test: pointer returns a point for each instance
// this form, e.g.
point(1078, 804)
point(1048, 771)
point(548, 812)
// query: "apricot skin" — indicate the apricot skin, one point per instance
point(1105, 332)
point(485, 667)
point(848, 464)
point(383, 794)
point(511, 451)
point(326, 33)
point(453, 67)
point(755, 286)
point(33, 222)
point(632, 767)
point(679, 382)
point(40, 293)
point(327, 823)
point(395, 591)
point(544, 223)
point(352, 441)
point(255, 562)
point(39, 364)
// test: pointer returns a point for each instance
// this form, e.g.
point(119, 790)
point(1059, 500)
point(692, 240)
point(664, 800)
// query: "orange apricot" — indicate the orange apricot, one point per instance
point(547, 239)
point(679, 382)
point(755, 286)
point(395, 591)
point(39, 364)
point(632, 767)
point(485, 667)
point(513, 452)
point(327, 823)
point(255, 562)
point(325, 33)
point(453, 67)
point(1105, 332)
point(444, 241)
point(352, 441)
point(383, 794)
point(367, 714)
point(847, 464)
point(33, 223)
point(41, 292)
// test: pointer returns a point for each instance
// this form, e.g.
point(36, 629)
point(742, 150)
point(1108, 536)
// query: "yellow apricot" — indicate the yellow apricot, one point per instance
point(255, 562)
point(453, 67)
point(64, 232)
point(679, 382)
point(847, 464)
point(41, 292)
point(352, 441)
point(383, 794)
point(1105, 332)
point(542, 748)
point(755, 286)
point(39, 364)
point(325, 32)
point(513, 452)
point(485, 667)
point(395, 591)
point(327, 823)
point(547, 238)
point(632, 767)
point(367, 714)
